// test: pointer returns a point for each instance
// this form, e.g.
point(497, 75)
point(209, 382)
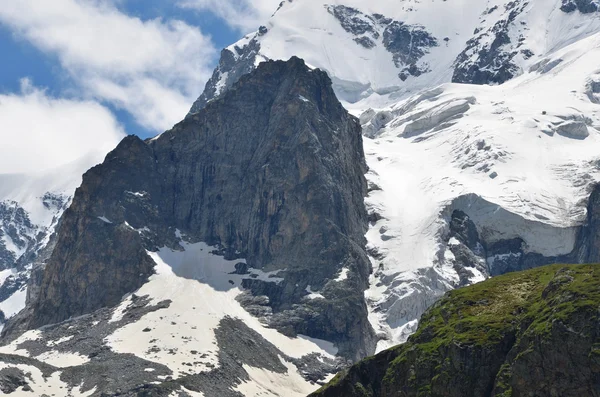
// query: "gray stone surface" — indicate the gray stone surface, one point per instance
point(271, 171)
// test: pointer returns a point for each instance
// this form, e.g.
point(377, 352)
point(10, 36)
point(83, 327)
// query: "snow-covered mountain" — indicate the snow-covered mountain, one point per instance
point(481, 125)
point(380, 52)
point(519, 158)
point(30, 208)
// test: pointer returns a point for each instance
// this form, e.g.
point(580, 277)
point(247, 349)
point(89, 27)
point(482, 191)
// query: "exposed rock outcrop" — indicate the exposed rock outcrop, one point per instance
point(583, 6)
point(232, 66)
point(490, 56)
point(272, 171)
point(407, 43)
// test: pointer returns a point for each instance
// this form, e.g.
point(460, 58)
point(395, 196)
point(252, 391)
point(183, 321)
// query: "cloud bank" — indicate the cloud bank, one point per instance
point(40, 133)
point(153, 69)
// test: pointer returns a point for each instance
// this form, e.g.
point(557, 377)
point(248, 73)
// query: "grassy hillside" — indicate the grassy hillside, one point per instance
point(532, 333)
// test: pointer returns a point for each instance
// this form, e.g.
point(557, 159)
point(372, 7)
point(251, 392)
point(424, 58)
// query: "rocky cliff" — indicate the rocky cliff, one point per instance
point(534, 333)
point(272, 172)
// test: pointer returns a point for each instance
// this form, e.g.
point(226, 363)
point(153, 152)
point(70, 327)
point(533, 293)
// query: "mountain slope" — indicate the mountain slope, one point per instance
point(242, 231)
point(520, 160)
point(530, 333)
point(238, 240)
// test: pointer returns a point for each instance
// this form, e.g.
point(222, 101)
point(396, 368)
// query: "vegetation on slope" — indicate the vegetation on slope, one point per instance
point(532, 333)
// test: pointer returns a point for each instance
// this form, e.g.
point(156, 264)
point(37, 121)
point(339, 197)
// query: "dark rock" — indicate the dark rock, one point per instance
point(365, 42)
point(353, 21)
point(11, 379)
point(408, 44)
point(468, 249)
point(488, 57)
point(593, 90)
point(583, 6)
point(588, 241)
point(463, 229)
point(243, 174)
point(241, 268)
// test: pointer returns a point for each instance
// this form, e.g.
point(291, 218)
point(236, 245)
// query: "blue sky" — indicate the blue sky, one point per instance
point(78, 75)
point(22, 59)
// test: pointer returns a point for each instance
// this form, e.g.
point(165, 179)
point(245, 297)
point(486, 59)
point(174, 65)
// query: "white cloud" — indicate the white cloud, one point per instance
point(154, 69)
point(245, 15)
point(41, 133)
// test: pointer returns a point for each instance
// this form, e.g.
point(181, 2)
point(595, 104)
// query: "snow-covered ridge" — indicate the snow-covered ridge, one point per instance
point(377, 53)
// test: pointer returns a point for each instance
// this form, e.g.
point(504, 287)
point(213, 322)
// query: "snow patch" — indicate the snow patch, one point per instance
point(312, 294)
point(202, 292)
point(343, 275)
point(323, 344)
point(14, 303)
point(57, 342)
point(62, 359)
point(264, 383)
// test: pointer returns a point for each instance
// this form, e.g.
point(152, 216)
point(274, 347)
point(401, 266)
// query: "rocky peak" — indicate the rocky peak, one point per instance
point(493, 55)
point(271, 171)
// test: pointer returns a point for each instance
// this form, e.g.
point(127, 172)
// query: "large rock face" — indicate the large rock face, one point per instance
point(533, 333)
point(272, 171)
